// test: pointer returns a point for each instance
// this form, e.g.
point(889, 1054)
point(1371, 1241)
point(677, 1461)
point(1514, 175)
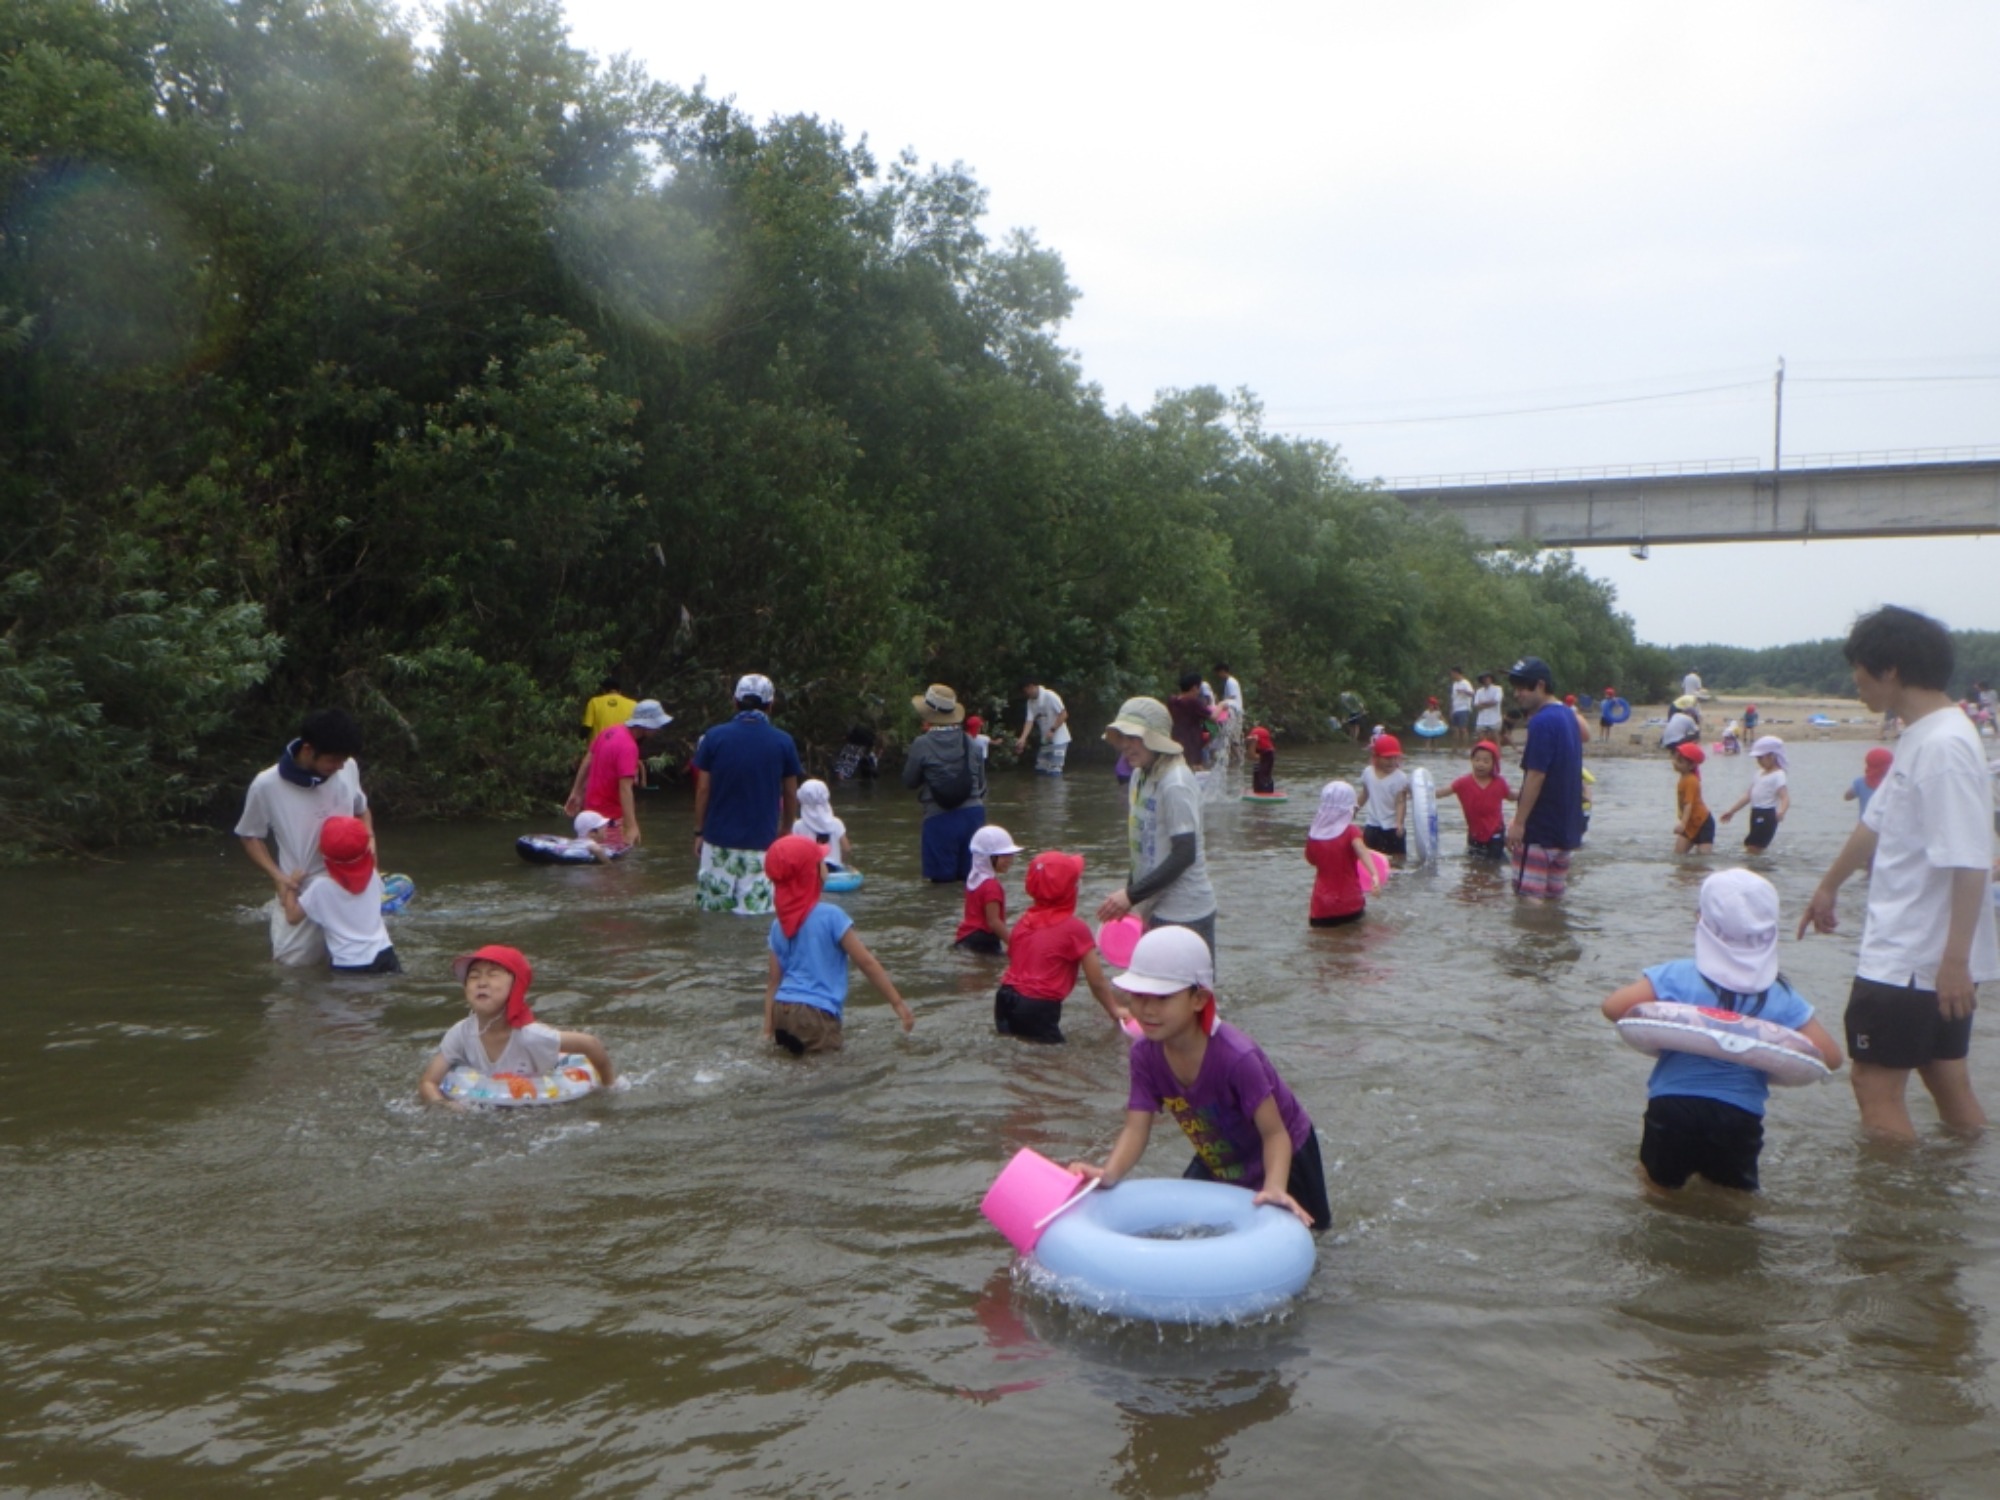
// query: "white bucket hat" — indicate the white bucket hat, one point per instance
point(648, 714)
point(1736, 937)
point(1770, 745)
point(1148, 721)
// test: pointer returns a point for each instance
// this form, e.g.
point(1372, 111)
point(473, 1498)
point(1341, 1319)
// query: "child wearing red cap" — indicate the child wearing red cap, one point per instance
point(811, 941)
point(1385, 796)
point(1874, 771)
point(1045, 952)
point(1483, 795)
point(1696, 829)
point(347, 903)
point(502, 1035)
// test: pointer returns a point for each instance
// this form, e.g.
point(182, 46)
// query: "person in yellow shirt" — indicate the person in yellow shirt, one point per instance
point(609, 707)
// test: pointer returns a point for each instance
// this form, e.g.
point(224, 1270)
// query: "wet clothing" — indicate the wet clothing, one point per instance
point(1217, 1111)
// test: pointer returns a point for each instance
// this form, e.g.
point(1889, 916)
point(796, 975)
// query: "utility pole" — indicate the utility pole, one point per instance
point(1777, 436)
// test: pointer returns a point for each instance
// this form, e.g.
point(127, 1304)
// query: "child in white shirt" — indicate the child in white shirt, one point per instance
point(346, 902)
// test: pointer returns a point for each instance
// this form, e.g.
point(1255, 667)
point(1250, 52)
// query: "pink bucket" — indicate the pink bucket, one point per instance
point(1030, 1188)
point(1374, 871)
point(1116, 940)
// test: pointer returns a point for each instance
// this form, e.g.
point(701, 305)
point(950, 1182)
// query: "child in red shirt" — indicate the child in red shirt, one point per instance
point(1049, 945)
point(1483, 795)
point(1264, 778)
point(1334, 848)
point(984, 926)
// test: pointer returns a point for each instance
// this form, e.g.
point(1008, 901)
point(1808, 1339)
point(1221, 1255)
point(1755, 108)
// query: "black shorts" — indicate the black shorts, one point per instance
point(1493, 848)
point(1340, 921)
point(1901, 1028)
point(1306, 1183)
point(1763, 828)
point(1016, 1014)
point(979, 942)
point(1383, 840)
point(384, 962)
point(1706, 834)
point(1686, 1135)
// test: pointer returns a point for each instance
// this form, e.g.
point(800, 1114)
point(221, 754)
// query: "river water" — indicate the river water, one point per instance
point(239, 1257)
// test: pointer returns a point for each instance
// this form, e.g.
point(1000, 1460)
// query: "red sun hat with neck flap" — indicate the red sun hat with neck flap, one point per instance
point(515, 962)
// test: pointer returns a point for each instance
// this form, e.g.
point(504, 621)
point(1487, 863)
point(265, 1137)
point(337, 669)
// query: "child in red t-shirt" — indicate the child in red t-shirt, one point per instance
point(1264, 777)
point(983, 929)
point(1335, 848)
point(1049, 945)
point(1484, 794)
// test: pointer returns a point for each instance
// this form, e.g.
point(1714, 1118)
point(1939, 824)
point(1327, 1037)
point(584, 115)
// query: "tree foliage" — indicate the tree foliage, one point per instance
point(438, 375)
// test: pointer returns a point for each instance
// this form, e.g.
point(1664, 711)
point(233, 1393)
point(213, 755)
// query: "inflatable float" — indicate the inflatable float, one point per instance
point(1164, 1248)
point(1658, 1026)
point(573, 1076)
point(1821, 721)
point(1614, 711)
point(1431, 727)
point(554, 849)
point(1267, 796)
point(396, 893)
point(842, 880)
point(1423, 828)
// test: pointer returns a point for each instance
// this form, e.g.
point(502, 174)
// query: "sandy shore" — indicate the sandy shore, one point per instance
point(1784, 717)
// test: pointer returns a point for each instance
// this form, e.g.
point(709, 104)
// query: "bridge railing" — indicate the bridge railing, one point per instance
point(1499, 477)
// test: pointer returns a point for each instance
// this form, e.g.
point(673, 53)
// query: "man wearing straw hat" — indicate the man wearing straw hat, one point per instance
point(949, 777)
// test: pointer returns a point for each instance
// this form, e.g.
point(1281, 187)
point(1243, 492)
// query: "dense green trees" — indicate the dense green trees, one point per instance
point(1818, 667)
point(438, 377)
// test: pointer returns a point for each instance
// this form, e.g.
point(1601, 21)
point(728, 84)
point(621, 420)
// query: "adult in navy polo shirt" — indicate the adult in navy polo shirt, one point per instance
point(748, 794)
point(1548, 819)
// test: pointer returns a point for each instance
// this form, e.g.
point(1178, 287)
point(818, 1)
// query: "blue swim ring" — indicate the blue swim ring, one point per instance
point(396, 893)
point(1126, 1252)
point(1614, 711)
point(843, 880)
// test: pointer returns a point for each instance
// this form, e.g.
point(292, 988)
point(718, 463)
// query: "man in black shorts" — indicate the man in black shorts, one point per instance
point(1929, 937)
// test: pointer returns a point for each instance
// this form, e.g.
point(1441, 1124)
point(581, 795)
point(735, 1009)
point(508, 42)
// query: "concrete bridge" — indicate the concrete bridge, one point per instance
point(1729, 501)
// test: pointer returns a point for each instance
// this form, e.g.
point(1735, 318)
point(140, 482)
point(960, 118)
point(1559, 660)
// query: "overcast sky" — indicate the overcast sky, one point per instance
point(1393, 221)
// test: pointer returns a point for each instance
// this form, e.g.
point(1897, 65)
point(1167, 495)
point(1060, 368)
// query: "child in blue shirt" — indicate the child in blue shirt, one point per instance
point(1705, 1116)
point(811, 942)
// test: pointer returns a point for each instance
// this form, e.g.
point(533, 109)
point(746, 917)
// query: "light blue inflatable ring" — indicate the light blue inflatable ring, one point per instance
point(1108, 1253)
point(843, 880)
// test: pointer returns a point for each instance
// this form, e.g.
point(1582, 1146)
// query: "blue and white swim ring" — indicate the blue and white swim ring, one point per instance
point(1176, 1250)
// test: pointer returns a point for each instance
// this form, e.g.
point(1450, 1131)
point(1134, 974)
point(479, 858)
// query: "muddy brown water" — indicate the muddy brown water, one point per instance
point(239, 1257)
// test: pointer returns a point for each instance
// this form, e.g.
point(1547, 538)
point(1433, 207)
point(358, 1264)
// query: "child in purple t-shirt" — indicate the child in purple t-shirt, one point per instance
point(1244, 1124)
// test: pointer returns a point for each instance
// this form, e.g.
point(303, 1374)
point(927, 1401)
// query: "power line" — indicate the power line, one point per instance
point(1530, 411)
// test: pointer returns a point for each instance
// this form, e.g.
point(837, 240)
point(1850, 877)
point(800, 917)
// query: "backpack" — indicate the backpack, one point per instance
point(952, 786)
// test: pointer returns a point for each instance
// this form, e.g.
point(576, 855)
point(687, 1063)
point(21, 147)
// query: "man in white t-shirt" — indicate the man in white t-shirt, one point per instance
point(1486, 707)
point(316, 778)
point(1232, 699)
point(1046, 716)
point(1927, 841)
point(1462, 694)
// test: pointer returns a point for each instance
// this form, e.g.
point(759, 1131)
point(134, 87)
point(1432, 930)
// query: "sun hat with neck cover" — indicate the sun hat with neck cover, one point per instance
point(516, 964)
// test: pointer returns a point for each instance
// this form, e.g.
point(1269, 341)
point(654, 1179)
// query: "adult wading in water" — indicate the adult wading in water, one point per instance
point(749, 790)
point(316, 778)
point(949, 776)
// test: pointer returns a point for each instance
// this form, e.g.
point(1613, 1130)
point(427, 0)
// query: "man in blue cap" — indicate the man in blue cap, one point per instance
point(1548, 819)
